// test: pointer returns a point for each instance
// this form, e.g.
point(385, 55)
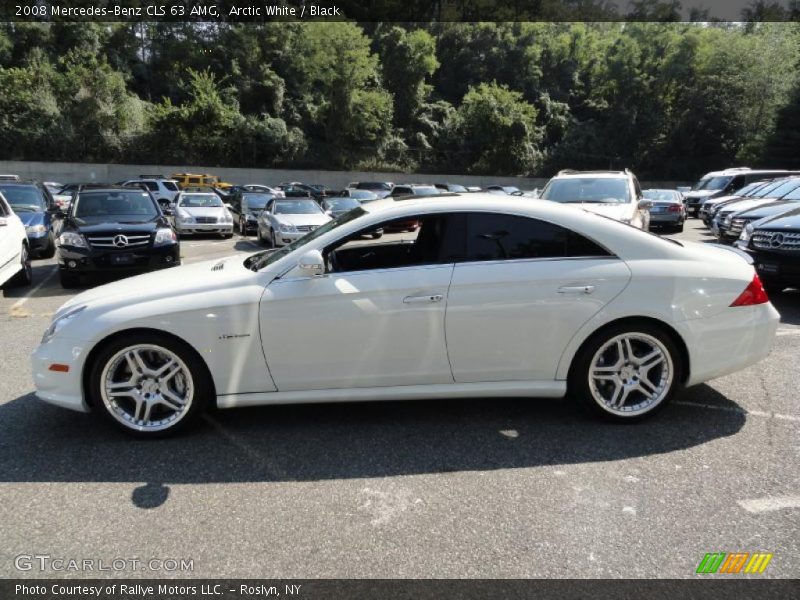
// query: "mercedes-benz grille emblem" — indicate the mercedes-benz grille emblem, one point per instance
point(776, 240)
point(120, 241)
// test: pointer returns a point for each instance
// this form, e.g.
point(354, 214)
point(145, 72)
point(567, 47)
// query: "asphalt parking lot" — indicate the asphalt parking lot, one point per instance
point(468, 488)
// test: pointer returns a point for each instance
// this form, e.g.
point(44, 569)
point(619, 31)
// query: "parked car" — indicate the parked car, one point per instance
point(246, 206)
point(774, 245)
point(413, 190)
point(35, 207)
point(668, 210)
point(202, 213)
point(709, 213)
point(725, 182)
point(740, 219)
point(185, 180)
point(338, 205)
point(257, 187)
point(9, 177)
point(503, 189)
point(15, 257)
point(568, 302)
point(285, 220)
point(382, 189)
point(451, 187)
point(114, 230)
point(165, 191)
point(361, 195)
point(296, 189)
point(724, 217)
point(613, 194)
point(747, 191)
point(53, 186)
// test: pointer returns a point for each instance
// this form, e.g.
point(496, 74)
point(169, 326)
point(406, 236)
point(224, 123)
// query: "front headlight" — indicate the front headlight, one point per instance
point(59, 323)
point(727, 220)
point(287, 228)
point(226, 217)
point(36, 229)
point(165, 236)
point(746, 233)
point(70, 238)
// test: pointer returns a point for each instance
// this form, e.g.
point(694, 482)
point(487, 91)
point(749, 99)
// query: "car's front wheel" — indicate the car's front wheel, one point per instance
point(150, 385)
point(626, 372)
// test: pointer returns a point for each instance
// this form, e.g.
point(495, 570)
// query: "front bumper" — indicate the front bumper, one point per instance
point(773, 267)
point(191, 228)
point(284, 237)
point(56, 387)
point(79, 260)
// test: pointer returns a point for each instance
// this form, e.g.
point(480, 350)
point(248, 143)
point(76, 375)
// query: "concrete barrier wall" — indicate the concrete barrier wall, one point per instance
point(109, 173)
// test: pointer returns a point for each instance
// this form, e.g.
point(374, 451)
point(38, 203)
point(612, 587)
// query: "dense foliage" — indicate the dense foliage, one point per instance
point(670, 100)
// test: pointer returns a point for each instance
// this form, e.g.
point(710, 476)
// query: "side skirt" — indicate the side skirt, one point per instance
point(493, 389)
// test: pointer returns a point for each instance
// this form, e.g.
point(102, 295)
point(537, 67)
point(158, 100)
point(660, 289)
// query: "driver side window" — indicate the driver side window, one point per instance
point(410, 241)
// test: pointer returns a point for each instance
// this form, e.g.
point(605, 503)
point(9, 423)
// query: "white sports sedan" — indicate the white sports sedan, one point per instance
point(285, 220)
point(489, 297)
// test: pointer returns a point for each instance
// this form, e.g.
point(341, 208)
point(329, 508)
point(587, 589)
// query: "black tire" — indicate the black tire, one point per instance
point(678, 229)
point(227, 236)
point(50, 251)
point(202, 382)
point(273, 243)
point(69, 280)
point(242, 227)
point(24, 276)
point(260, 237)
point(578, 380)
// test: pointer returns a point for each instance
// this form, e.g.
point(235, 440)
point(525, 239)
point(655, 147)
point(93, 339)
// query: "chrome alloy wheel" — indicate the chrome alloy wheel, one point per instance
point(147, 387)
point(631, 374)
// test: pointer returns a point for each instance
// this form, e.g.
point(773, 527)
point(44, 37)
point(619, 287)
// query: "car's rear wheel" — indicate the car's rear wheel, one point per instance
point(24, 276)
point(626, 372)
point(150, 385)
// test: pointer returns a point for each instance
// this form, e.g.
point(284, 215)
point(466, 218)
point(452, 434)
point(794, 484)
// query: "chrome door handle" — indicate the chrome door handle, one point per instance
point(423, 299)
point(576, 289)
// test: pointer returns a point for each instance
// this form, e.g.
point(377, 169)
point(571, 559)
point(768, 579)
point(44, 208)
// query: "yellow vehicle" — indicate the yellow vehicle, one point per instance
point(193, 179)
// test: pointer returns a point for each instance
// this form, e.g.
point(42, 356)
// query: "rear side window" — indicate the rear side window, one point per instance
point(170, 186)
point(151, 185)
point(510, 237)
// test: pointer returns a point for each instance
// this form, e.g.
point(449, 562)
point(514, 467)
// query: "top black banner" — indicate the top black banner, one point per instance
point(399, 10)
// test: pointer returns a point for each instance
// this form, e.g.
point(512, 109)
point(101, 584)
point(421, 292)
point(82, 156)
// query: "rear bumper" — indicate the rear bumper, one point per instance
point(736, 338)
point(657, 219)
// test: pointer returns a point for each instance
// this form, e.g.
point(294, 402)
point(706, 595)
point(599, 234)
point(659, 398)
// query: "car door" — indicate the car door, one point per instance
point(10, 241)
point(525, 288)
point(375, 319)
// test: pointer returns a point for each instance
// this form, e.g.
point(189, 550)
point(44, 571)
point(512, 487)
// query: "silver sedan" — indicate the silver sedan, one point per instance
point(198, 212)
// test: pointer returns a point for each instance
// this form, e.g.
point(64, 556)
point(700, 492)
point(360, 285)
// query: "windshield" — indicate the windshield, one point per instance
point(662, 195)
point(255, 202)
point(341, 203)
point(114, 204)
point(426, 191)
point(785, 188)
point(24, 198)
point(296, 207)
point(600, 190)
point(713, 183)
point(767, 189)
point(373, 185)
point(199, 200)
point(793, 195)
point(363, 195)
point(258, 261)
point(454, 187)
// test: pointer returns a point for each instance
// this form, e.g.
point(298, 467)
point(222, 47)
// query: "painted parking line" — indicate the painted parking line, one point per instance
point(769, 504)
point(16, 308)
point(741, 411)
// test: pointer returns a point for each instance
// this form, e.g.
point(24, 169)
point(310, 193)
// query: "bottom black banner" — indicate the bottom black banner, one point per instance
point(389, 589)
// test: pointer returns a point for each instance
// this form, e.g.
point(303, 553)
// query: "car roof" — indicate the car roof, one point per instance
point(568, 174)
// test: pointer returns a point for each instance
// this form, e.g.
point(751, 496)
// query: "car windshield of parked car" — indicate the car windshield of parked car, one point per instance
point(793, 195)
point(768, 189)
point(255, 202)
point(785, 188)
point(24, 198)
point(661, 195)
point(258, 261)
point(341, 203)
point(199, 201)
point(296, 207)
point(373, 185)
point(426, 191)
point(122, 205)
point(599, 190)
point(363, 195)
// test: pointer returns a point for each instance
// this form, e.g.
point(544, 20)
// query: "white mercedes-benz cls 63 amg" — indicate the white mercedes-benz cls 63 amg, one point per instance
point(488, 297)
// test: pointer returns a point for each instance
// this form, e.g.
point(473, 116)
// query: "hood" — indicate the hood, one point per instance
point(203, 211)
point(743, 205)
point(100, 226)
point(312, 219)
point(617, 211)
point(31, 218)
point(772, 209)
point(722, 199)
point(788, 220)
point(186, 280)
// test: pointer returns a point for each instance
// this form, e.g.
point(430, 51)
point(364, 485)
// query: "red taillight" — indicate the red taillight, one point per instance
point(753, 294)
point(675, 208)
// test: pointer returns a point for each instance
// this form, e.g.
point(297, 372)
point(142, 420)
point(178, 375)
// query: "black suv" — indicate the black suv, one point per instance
point(246, 206)
point(774, 244)
point(114, 230)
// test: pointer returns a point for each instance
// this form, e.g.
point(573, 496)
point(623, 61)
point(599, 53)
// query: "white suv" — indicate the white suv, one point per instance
point(165, 191)
point(15, 259)
point(613, 194)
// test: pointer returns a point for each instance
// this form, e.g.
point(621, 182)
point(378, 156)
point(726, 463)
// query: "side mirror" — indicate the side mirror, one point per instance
point(312, 264)
point(645, 204)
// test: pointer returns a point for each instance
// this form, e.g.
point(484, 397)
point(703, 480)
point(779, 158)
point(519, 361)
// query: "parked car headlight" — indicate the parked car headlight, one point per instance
point(36, 229)
point(746, 233)
point(727, 220)
point(59, 323)
point(227, 217)
point(70, 238)
point(165, 236)
point(185, 217)
point(288, 228)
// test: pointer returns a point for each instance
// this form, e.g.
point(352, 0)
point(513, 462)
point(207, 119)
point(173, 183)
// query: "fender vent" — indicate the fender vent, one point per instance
point(219, 266)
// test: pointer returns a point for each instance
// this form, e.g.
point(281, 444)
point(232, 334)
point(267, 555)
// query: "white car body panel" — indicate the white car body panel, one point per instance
point(360, 341)
point(12, 236)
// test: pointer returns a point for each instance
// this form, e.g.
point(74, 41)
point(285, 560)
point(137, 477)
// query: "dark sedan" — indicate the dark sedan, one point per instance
point(114, 230)
point(35, 207)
